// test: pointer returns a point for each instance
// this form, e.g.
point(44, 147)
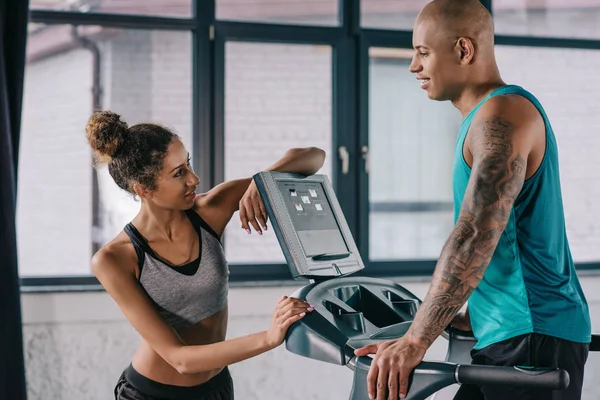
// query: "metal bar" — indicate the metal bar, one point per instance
point(344, 118)
point(410, 206)
point(349, 15)
point(387, 38)
point(58, 281)
point(363, 67)
point(259, 273)
point(548, 42)
point(403, 39)
point(111, 20)
point(487, 4)
point(203, 72)
point(587, 266)
point(218, 145)
point(399, 268)
point(259, 32)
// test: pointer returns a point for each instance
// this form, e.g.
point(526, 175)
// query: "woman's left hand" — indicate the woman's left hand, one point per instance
point(252, 210)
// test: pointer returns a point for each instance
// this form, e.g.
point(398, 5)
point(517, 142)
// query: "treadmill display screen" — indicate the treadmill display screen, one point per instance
point(313, 218)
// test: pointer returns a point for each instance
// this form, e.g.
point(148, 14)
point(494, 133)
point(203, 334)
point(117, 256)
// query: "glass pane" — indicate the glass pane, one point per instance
point(306, 12)
point(144, 76)
point(412, 140)
point(557, 18)
point(170, 8)
point(571, 105)
point(390, 14)
point(277, 97)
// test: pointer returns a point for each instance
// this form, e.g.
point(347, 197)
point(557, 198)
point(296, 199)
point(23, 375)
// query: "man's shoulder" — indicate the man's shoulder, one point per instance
point(512, 107)
point(508, 120)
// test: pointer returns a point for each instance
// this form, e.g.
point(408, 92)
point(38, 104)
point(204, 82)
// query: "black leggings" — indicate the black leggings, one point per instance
point(534, 350)
point(133, 386)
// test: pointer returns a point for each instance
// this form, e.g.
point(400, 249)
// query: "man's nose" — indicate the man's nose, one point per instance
point(414, 66)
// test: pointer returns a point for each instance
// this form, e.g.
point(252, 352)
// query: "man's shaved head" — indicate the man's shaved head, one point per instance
point(460, 18)
point(454, 49)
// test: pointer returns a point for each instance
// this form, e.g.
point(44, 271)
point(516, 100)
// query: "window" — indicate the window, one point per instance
point(299, 12)
point(277, 96)
point(558, 18)
point(410, 180)
point(170, 8)
point(571, 105)
point(65, 209)
point(386, 14)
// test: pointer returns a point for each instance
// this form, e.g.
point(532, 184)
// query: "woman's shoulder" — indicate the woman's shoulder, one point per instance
point(209, 217)
point(116, 257)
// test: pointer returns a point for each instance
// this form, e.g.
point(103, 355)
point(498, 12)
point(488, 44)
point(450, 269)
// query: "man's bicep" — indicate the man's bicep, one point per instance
point(499, 166)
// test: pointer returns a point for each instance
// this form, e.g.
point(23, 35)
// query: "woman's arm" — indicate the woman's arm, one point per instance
point(219, 204)
point(120, 282)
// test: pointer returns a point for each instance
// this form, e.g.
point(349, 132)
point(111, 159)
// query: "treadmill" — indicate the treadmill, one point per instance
point(353, 311)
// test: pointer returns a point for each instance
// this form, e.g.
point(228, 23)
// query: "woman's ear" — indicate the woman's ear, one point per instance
point(141, 191)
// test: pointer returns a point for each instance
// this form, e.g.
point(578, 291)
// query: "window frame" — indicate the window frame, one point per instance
point(350, 74)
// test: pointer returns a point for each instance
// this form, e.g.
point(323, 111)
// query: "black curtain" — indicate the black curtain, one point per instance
point(13, 31)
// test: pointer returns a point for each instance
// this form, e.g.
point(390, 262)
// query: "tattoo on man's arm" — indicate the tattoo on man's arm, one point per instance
point(496, 182)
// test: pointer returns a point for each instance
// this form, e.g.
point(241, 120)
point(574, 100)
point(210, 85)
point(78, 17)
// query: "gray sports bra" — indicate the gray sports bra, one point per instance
point(184, 295)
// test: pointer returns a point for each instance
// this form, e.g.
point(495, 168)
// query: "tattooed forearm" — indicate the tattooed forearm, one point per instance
point(496, 179)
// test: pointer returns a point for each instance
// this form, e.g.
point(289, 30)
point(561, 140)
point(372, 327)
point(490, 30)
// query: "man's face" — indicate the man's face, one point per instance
point(436, 62)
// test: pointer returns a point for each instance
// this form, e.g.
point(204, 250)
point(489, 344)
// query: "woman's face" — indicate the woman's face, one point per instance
point(176, 183)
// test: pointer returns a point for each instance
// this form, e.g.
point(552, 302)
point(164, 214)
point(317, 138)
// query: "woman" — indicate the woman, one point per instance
point(167, 270)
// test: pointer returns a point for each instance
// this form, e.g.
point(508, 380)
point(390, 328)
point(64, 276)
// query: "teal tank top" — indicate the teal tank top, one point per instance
point(530, 285)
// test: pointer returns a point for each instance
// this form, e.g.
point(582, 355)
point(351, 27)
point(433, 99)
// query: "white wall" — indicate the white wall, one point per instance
point(77, 344)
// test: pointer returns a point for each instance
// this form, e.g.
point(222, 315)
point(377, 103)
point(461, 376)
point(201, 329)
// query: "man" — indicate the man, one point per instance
point(508, 253)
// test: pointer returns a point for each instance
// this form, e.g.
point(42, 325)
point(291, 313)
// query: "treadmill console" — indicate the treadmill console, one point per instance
point(309, 225)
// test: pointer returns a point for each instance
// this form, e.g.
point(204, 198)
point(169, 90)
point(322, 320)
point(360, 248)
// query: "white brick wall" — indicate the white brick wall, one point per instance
point(575, 22)
point(148, 79)
point(321, 12)
point(146, 76)
point(563, 82)
point(54, 191)
point(172, 82)
point(276, 97)
point(77, 344)
point(404, 127)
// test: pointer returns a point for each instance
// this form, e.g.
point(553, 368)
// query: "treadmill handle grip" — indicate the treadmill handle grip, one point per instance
point(540, 378)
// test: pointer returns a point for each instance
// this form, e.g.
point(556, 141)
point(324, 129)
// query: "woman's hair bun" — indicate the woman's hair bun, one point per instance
point(106, 134)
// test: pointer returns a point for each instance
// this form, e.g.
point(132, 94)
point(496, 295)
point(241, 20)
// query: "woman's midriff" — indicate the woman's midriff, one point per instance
point(148, 363)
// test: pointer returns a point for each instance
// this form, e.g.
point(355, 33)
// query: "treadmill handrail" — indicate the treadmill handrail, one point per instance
point(518, 376)
point(595, 344)
point(430, 376)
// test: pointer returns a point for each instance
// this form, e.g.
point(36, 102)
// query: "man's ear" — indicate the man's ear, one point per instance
point(466, 50)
